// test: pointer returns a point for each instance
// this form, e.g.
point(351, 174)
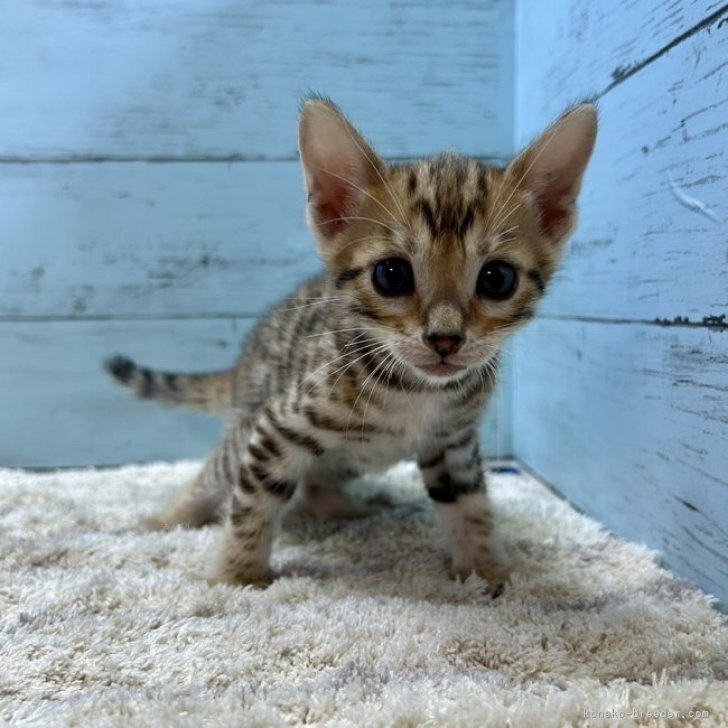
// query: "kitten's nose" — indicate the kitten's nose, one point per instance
point(444, 344)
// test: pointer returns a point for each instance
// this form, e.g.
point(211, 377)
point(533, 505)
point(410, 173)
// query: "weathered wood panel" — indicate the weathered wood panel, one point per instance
point(630, 422)
point(151, 239)
point(626, 415)
point(199, 79)
point(497, 425)
point(578, 49)
point(58, 407)
point(652, 239)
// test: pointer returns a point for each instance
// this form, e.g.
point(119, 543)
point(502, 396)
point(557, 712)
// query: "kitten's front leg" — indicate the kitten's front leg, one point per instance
point(453, 474)
point(272, 463)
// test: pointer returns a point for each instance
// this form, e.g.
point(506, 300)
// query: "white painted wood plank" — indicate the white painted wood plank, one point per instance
point(59, 408)
point(631, 423)
point(149, 239)
point(576, 48)
point(204, 78)
point(653, 237)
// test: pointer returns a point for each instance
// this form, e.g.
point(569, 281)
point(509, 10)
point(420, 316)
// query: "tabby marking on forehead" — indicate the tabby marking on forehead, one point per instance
point(447, 193)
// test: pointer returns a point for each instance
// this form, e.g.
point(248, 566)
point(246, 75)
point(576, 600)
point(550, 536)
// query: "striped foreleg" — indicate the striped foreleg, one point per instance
point(453, 474)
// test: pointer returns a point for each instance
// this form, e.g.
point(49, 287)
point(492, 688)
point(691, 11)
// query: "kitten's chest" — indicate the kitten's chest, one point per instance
point(398, 430)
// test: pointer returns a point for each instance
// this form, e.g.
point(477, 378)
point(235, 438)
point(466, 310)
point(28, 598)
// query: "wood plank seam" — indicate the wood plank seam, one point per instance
point(206, 159)
point(85, 318)
point(712, 322)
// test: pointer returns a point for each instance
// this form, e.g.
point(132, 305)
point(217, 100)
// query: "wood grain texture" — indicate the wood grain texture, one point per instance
point(59, 408)
point(652, 243)
point(630, 422)
point(621, 387)
point(579, 49)
point(135, 239)
point(201, 79)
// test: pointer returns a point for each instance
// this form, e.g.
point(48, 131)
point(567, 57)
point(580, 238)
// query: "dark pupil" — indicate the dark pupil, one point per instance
point(393, 277)
point(497, 280)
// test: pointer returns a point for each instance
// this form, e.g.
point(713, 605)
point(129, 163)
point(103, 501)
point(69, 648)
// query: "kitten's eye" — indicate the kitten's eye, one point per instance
point(393, 277)
point(497, 280)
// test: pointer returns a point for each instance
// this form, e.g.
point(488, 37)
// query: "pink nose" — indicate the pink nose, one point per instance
point(444, 344)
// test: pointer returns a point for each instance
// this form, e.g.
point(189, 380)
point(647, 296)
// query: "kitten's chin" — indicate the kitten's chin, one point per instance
point(442, 370)
point(440, 374)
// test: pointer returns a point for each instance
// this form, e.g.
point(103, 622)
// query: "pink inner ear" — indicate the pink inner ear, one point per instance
point(333, 200)
point(554, 208)
point(553, 166)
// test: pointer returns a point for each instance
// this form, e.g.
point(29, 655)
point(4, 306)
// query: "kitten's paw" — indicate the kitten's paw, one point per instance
point(496, 576)
point(255, 580)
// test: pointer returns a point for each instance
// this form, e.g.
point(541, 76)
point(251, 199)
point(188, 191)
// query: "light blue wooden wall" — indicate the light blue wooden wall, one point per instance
point(150, 196)
point(620, 392)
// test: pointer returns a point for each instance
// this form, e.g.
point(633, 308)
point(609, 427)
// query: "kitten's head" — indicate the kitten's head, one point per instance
point(442, 259)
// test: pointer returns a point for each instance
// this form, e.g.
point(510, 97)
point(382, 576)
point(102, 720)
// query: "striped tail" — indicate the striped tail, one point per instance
point(209, 392)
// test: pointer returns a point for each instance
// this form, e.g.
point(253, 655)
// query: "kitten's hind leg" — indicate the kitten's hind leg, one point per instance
point(273, 461)
point(204, 500)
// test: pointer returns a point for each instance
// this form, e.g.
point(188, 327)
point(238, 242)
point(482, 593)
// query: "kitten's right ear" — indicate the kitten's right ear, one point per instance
point(338, 166)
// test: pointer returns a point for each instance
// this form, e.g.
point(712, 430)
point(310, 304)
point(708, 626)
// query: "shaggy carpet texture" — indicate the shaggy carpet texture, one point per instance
point(104, 625)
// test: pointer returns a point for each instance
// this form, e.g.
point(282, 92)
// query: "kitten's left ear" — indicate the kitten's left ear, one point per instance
point(338, 165)
point(551, 169)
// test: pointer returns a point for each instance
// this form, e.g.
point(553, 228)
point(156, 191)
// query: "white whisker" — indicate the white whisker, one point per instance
point(370, 352)
point(385, 369)
point(364, 192)
point(523, 177)
point(363, 389)
point(314, 302)
point(362, 347)
point(347, 218)
point(387, 186)
point(339, 331)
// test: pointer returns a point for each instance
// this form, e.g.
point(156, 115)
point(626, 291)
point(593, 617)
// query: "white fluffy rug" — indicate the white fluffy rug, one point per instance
point(105, 626)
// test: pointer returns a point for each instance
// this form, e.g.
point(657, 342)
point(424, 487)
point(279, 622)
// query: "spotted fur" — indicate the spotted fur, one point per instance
point(340, 378)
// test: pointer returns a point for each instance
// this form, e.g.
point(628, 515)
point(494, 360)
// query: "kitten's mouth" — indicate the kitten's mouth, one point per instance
point(441, 369)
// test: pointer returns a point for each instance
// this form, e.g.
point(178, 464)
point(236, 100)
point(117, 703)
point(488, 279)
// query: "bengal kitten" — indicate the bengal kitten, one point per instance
point(391, 352)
